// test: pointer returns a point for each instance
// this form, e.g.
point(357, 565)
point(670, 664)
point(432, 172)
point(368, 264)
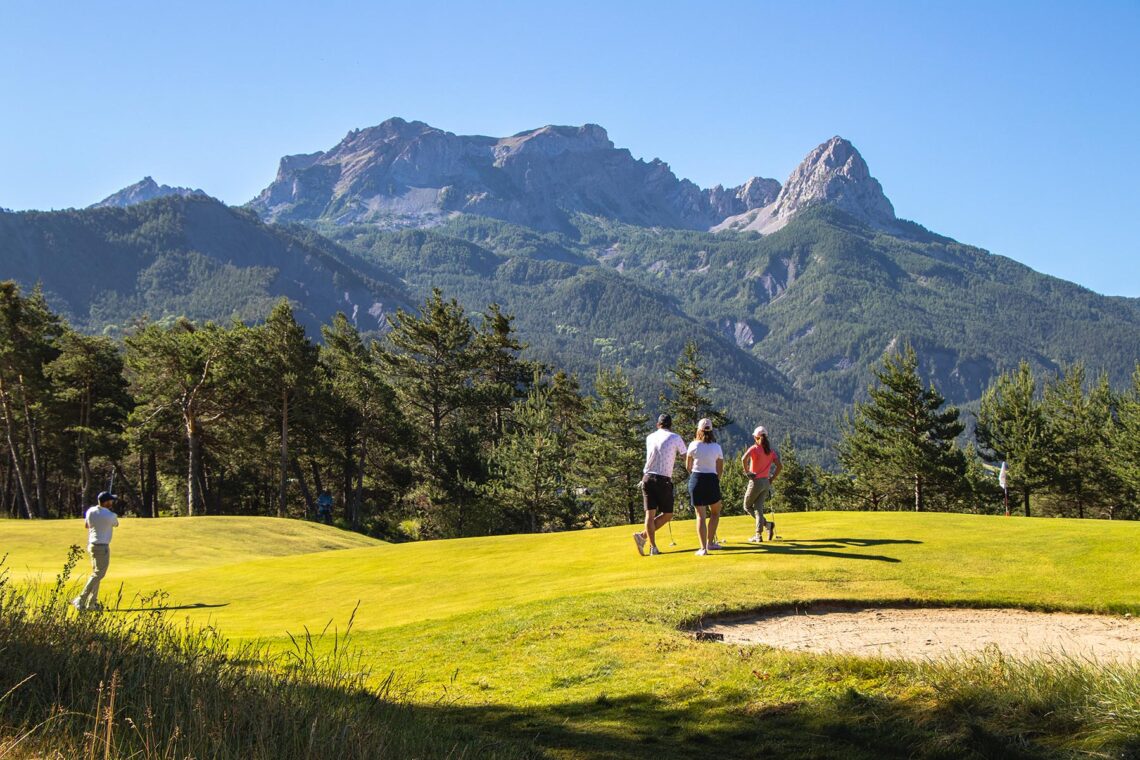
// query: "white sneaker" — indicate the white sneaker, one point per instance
point(755, 539)
point(640, 541)
point(653, 551)
point(77, 603)
point(701, 553)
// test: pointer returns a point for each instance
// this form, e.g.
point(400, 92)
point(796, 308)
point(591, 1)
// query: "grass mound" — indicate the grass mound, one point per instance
point(93, 685)
point(148, 547)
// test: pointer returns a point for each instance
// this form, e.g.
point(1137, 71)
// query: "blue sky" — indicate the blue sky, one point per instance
point(1011, 126)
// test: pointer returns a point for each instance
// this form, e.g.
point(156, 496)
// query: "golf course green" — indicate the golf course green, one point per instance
point(573, 645)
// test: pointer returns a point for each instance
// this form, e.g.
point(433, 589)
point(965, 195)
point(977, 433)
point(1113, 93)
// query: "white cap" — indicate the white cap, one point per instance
point(705, 424)
point(759, 432)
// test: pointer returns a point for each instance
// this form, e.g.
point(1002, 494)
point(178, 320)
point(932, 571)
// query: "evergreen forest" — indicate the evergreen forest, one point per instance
point(444, 424)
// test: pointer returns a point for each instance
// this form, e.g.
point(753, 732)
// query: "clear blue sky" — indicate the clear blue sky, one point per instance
point(1012, 126)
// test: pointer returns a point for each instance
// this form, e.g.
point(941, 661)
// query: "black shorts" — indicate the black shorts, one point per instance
point(704, 489)
point(657, 493)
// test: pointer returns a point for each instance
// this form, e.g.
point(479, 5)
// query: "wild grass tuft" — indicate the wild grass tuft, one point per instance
point(1081, 705)
point(134, 683)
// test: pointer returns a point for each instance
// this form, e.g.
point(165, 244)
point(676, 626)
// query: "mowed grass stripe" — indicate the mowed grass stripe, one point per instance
point(146, 547)
point(271, 581)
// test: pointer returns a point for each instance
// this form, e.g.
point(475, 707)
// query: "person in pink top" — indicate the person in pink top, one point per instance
point(762, 466)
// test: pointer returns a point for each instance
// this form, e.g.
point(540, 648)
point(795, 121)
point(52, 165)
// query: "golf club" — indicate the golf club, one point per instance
point(671, 541)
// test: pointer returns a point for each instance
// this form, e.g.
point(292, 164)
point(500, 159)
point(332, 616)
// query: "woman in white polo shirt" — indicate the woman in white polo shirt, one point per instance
point(705, 460)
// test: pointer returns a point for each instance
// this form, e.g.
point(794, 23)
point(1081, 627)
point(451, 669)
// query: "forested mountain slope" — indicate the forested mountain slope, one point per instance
point(790, 323)
point(185, 256)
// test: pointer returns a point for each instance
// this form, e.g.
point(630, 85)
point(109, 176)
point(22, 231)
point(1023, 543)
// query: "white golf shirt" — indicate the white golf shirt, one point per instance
point(705, 456)
point(662, 447)
point(100, 523)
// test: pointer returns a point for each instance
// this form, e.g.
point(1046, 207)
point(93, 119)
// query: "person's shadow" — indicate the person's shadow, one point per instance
point(167, 607)
point(821, 547)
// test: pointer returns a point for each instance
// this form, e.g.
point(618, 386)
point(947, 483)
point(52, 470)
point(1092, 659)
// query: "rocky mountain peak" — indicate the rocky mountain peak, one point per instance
point(835, 173)
point(142, 191)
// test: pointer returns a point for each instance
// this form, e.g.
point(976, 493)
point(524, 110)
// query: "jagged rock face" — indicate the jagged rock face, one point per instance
point(409, 173)
point(144, 190)
point(833, 173)
point(755, 193)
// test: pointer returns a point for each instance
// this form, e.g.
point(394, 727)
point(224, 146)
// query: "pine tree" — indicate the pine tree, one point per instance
point(1125, 442)
point(286, 378)
point(92, 402)
point(1079, 426)
point(1011, 429)
point(903, 435)
point(189, 376)
point(365, 417)
point(28, 335)
point(687, 398)
point(503, 377)
point(568, 406)
point(610, 453)
point(432, 362)
point(529, 464)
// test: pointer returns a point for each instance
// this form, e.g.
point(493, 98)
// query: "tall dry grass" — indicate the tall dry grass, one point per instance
point(133, 683)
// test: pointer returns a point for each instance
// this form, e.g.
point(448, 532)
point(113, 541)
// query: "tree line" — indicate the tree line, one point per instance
point(1070, 444)
point(441, 427)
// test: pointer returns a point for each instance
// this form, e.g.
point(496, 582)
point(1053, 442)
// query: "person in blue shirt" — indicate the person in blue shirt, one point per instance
point(324, 507)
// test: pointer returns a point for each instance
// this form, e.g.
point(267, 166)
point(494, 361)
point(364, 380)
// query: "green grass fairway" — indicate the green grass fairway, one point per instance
point(573, 642)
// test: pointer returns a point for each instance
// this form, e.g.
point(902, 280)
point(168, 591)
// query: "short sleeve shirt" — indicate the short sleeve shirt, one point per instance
point(705, 456)
point(100, 524)
point(662, 447)
point(759, 463)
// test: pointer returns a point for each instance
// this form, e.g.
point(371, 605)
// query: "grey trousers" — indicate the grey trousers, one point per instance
point(100, 561)
point(755, 495)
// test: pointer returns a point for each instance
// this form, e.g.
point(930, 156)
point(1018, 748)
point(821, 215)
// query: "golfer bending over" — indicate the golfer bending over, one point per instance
point(705, 460)
point(100, 521)
point(761, 465)
point(662, 448)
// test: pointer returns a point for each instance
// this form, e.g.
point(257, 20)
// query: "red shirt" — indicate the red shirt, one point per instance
point(759, 463)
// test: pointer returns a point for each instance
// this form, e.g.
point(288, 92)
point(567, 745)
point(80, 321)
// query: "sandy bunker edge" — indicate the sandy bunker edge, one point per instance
point(914, 632)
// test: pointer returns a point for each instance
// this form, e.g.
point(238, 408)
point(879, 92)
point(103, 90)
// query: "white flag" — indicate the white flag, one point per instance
point(1003, 479)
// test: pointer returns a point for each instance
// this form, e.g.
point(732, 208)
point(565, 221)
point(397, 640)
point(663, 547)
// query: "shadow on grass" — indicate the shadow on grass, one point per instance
point(852, 725)
point(853, 541)
point(168, 607)
point(805, 548)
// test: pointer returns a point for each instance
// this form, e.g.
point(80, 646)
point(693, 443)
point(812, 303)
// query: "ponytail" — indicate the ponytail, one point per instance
point(764, 444)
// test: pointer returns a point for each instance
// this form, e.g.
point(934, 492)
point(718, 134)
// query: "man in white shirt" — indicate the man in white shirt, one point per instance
point(662, 447)
point(100, 522)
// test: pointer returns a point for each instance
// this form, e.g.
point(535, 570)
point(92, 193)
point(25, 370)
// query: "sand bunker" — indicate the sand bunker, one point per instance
point(917, 634)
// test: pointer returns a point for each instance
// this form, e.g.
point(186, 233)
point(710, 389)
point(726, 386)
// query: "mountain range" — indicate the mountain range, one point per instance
point(142, 191)
point(793, 290)
point(401, 174)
